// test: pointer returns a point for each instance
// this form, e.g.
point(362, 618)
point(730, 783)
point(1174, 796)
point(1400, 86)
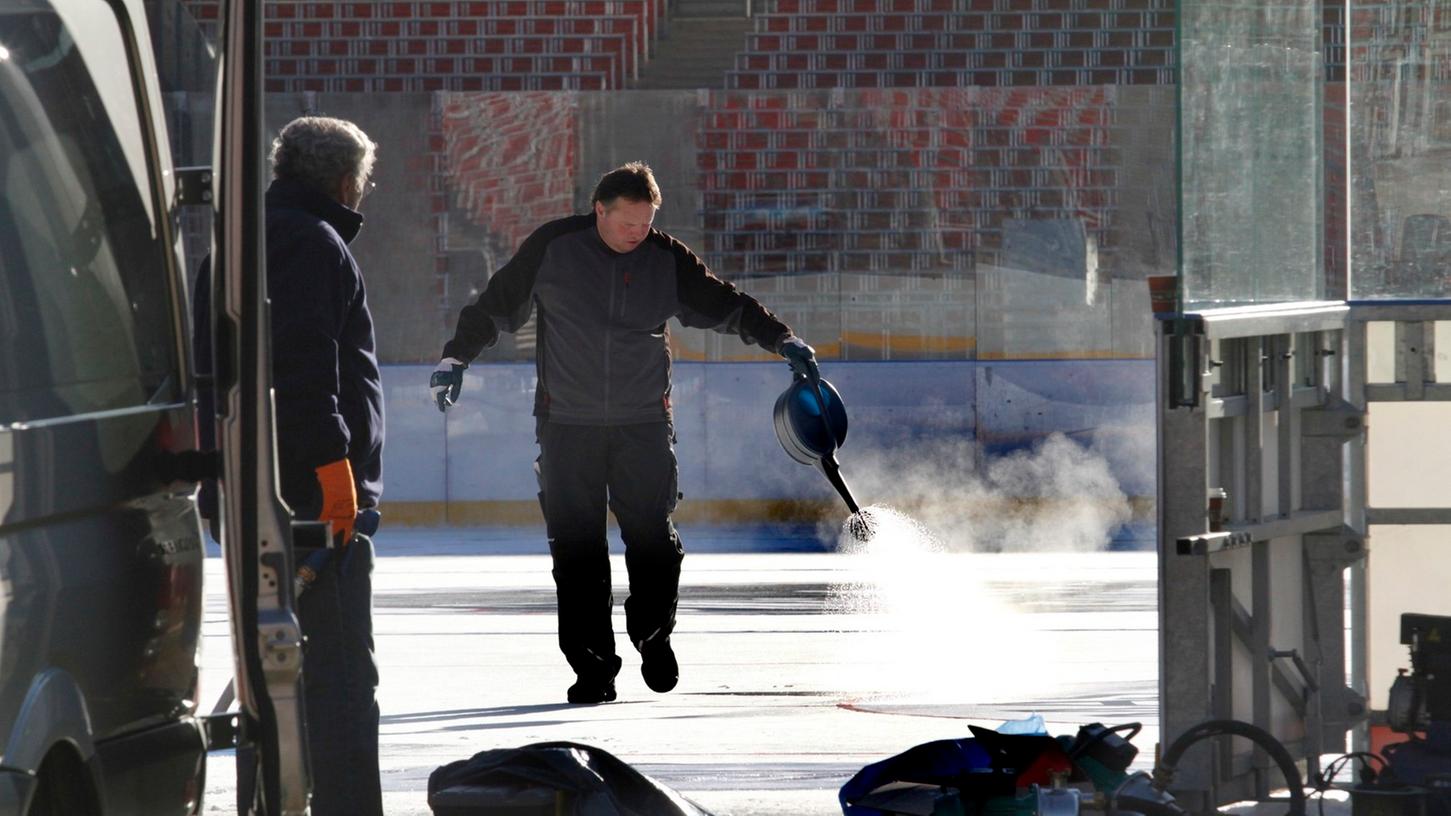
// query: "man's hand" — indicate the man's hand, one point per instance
point(447, 381)
point(801, 357)
point(339, 499)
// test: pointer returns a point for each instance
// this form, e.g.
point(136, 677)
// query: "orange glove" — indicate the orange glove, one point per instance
point(339, 499)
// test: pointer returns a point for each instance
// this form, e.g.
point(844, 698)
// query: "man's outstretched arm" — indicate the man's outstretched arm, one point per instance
point(504, 305)
point(708, 302)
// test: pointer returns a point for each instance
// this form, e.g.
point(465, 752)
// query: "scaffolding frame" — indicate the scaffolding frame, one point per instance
point(1264, 620)
point(1267, 403)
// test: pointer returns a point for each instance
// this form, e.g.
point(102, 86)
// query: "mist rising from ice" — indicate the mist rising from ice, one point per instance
point(934, 626)
point(1057, 495)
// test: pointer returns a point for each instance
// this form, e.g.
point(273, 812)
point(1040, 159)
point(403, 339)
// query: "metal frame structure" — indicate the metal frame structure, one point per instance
point(1263, 617)
point(1258, 402)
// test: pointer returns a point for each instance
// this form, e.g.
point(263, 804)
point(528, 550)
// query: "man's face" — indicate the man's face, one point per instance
point(356, 192)
point(623, 224)
point(352, 192)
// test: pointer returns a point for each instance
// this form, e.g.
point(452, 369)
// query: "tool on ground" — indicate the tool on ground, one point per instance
point(811, 425)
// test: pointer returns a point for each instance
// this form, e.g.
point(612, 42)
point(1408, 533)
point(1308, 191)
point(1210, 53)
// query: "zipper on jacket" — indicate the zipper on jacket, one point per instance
point(541, 360)
point(609, 333)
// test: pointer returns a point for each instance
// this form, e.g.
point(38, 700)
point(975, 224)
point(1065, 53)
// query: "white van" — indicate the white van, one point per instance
point(100, 542)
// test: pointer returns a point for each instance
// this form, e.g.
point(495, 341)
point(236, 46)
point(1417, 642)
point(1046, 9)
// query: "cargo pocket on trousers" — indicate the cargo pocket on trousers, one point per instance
point(539, 479)
point(676, 496)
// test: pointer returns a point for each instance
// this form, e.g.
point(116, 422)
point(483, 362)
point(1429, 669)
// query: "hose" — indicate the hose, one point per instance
point(1164, 772)
point(1079, 749)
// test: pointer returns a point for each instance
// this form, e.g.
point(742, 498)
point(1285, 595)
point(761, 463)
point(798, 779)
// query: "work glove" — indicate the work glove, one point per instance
point(801, 357)
point(447, 381)
point(339, 499)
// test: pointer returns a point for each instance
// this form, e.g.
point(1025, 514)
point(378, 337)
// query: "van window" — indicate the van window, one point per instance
point(86, 315)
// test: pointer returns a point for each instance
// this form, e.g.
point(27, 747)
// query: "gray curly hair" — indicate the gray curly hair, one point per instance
point(321, 151)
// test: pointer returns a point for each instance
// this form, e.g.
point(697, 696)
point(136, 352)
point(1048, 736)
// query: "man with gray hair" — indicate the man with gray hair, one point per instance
point(329, 438)
point(329, 413)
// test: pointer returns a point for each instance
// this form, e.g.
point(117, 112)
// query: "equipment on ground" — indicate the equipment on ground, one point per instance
point(1003, 773)
point(1421, 700)
point(1418, 771)
point(551, 779)
point(811, 425)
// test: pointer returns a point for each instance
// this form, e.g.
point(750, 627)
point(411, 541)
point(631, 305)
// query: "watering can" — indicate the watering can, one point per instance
point(811, 425)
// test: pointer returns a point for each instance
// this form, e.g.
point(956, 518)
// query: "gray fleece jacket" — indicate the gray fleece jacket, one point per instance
point(603, 354)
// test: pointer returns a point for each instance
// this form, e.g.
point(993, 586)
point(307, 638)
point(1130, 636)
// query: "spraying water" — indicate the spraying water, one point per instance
point(920, 572)
point(929, 628)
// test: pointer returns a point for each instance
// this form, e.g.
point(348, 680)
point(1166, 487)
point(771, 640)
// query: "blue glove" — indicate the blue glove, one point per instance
point(447, 381)
point(801, 357)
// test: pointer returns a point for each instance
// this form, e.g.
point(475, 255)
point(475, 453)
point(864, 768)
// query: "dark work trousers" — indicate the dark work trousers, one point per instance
point(629, 469)
point(340, 679)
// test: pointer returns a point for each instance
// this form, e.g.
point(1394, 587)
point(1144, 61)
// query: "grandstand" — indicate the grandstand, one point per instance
point(602, 44)
point(499, 45)
point(904, 180)
point(950, 43)
point(848, 137)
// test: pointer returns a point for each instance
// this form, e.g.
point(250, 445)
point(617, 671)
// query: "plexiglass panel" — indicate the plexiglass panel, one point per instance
point(881, 224)
point(1251, 152)
point(1400, 142)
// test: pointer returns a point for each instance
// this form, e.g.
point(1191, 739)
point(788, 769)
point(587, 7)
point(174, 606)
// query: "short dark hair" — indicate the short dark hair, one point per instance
point(633, 182)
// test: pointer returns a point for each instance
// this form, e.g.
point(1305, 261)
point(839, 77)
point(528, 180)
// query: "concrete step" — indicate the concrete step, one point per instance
point(709, 8)
point(695, 52)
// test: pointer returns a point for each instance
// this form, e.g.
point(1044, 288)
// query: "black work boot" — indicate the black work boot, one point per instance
point(592, 691)
point(594, 678)
point(658, 665)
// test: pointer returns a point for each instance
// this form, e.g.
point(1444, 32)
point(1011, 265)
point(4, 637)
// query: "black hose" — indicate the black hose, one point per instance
point(1218, 728)
point(1079, 750)
point(1132, 727)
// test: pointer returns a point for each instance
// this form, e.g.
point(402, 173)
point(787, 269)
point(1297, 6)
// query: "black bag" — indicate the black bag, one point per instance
point(550, 778)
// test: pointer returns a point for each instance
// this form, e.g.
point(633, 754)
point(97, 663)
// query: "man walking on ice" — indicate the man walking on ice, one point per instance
point(605, 284)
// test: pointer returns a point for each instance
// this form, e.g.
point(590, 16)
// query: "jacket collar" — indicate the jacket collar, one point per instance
point(294, 195)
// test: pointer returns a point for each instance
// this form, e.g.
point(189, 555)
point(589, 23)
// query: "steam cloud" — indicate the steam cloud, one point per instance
point(1057, 496)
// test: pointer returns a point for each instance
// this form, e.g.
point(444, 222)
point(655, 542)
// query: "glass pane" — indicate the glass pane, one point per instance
point(86, 323)
point(1400, 126)
point(186, 69)
point(1251, 158)
point(918, 223)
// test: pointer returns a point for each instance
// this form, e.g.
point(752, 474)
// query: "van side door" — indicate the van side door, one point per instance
point(256, 532)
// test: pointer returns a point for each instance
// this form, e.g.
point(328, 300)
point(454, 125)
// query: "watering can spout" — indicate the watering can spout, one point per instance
point(832, 470)
point(860, 523)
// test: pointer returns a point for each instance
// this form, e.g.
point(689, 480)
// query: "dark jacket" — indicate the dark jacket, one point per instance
point(603, 354)
point(324, 369)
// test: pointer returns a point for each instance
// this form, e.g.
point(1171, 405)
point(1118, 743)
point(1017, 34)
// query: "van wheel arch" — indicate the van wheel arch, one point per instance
point(65, 785)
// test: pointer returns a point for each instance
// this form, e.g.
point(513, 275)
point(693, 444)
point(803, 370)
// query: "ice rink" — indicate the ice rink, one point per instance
point(799, 665)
